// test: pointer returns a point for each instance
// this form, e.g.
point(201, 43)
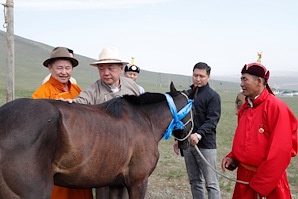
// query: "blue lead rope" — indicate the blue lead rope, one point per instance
point(176, 122)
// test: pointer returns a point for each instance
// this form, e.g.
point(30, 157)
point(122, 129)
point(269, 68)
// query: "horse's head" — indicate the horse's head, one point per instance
point(185, 125)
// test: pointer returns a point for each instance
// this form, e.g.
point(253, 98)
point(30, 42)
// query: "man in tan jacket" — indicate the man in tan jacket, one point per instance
point(109, 86)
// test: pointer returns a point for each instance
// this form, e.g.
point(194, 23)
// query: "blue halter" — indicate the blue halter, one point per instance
point(176, 122)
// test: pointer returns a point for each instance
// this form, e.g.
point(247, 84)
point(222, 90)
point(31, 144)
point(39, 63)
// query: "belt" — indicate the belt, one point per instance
point(248, 167)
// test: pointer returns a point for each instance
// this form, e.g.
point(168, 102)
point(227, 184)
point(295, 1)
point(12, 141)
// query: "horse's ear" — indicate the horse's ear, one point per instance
point(193, 93)
point(172, 87)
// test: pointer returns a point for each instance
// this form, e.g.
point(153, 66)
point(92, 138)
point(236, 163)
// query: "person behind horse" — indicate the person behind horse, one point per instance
point(239, 101)
point(60, 65)
point(72, 80)
point(207, 111)
point(110, 85)
point(132, 71)
point(264, 141)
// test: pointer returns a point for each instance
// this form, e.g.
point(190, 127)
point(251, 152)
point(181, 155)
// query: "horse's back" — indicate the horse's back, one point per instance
point(25, 116)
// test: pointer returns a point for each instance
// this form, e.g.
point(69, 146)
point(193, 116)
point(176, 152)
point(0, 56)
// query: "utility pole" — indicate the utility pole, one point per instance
point(9, 21)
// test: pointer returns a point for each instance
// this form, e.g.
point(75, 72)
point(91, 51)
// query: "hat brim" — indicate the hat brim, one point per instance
point(108, 62)
point(73, 61)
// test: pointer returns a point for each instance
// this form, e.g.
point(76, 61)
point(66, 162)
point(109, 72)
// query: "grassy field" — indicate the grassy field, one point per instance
point(169, 179)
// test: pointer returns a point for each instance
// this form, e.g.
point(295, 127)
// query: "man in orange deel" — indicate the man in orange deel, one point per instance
point(60, 65)
point(264, 141)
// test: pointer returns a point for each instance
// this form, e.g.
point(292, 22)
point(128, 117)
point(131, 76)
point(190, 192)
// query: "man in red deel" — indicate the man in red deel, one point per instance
point(264, 141)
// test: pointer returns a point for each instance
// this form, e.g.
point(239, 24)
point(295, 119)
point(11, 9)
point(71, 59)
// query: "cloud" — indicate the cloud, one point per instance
point(83, 4)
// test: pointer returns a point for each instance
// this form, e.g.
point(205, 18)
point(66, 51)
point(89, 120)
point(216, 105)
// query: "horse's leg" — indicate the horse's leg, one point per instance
point(116, 192)
point(35, 167)
point(27, 169)
point(102, 192)
point(125, 193)
point(110, 193)
point(25, 173)
point(138, 191)
point(24, 182)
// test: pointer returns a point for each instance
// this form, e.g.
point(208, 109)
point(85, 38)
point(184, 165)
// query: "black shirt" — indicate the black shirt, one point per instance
point(207, 111)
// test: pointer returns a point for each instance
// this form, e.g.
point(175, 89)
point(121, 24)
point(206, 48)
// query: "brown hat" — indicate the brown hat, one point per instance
point(258, 70)
point(61, 53)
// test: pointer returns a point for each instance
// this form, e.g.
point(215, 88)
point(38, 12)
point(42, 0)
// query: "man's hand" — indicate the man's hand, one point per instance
point(226, 163)
point(68, 100)
point(194, 140)
point(176, 148)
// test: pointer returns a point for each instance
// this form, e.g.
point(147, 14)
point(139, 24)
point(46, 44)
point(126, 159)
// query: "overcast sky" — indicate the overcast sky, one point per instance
point(168, 35)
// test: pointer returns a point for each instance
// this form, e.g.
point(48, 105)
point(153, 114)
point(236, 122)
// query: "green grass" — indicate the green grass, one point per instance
point(169, 179)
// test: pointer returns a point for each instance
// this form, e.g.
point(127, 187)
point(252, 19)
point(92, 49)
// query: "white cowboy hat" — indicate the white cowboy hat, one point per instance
point(108, 55)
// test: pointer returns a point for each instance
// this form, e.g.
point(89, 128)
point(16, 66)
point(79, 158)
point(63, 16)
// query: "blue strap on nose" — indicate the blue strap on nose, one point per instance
point(176, 122)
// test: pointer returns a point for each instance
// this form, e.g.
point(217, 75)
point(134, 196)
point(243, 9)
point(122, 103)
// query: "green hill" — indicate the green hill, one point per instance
point(29, 71)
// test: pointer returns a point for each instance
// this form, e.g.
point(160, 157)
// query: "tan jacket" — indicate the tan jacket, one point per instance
point(99, 92)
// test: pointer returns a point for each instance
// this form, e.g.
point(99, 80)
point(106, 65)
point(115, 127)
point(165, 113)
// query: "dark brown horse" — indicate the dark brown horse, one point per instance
point(45, 142)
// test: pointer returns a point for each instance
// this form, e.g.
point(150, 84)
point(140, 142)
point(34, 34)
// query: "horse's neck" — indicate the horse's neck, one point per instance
point(160, 118)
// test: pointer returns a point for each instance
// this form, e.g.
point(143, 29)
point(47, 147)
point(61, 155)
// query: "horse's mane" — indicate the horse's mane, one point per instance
point(114, 106)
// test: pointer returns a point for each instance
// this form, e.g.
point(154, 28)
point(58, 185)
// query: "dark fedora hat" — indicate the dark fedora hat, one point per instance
point(61, 53)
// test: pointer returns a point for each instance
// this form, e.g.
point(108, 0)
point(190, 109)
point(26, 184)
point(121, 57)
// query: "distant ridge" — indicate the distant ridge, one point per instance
point(29, 71)
point(280, 80)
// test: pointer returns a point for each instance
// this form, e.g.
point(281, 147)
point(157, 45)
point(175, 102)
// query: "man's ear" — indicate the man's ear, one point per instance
point(121, 68)
point(261, 80)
